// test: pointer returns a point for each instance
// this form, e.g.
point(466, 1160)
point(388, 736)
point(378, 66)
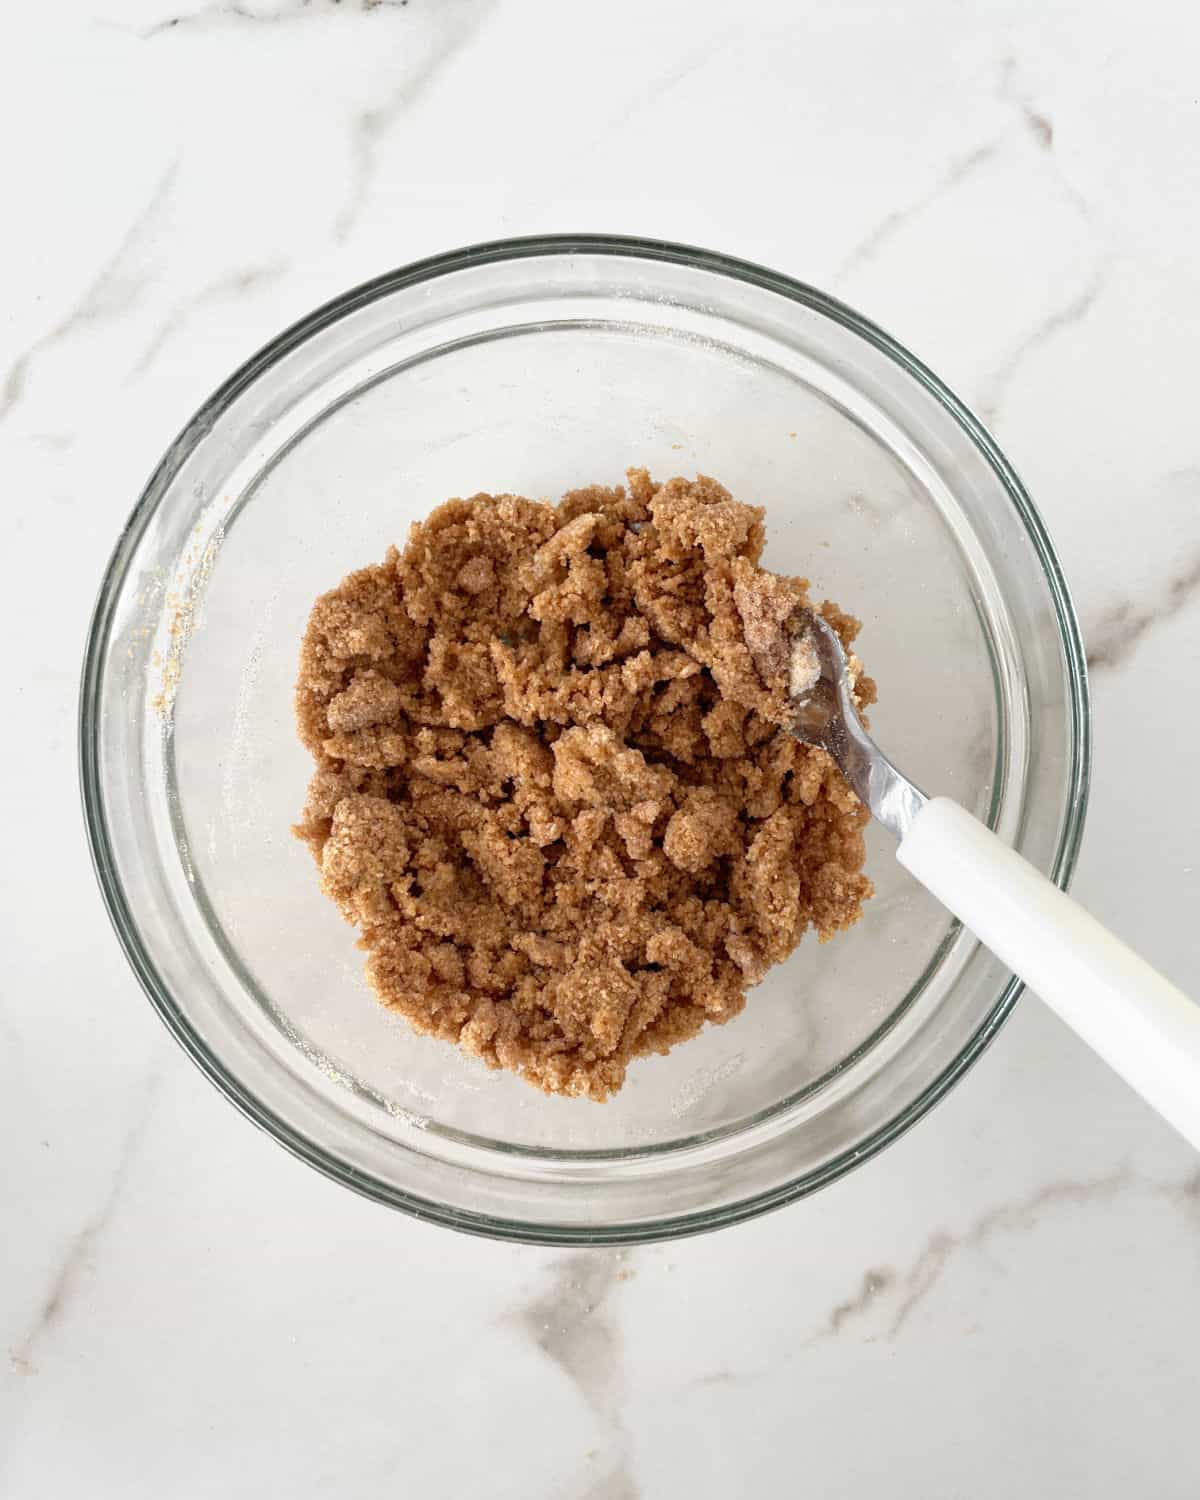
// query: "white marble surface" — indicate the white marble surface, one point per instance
point(1008, 1302)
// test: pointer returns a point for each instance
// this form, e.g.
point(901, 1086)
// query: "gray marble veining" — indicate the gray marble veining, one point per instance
point(115, 289)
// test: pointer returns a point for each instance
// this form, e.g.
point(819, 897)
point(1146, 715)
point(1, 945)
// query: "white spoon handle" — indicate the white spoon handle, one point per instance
point(1134, 1018)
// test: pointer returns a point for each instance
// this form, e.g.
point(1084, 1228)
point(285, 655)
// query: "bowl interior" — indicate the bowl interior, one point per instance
point(538, 412)
point(535, 369)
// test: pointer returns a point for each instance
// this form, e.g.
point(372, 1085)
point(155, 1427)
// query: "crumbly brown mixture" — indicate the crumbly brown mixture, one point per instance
point(553, 789)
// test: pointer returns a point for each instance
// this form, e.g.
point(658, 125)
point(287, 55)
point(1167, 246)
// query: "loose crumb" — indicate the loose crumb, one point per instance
point(554, 787)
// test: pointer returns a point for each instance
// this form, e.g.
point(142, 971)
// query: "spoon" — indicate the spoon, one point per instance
point(1138, 1022)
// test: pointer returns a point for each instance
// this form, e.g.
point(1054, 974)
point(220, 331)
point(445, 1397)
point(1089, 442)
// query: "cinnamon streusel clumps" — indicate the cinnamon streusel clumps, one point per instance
point(554, 789)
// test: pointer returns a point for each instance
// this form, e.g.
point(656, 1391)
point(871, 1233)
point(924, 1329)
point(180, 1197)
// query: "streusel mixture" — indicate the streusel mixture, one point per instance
point(554, 786)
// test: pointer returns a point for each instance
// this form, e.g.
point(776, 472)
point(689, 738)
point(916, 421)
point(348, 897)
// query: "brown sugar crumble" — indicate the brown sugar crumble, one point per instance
point(554, 787)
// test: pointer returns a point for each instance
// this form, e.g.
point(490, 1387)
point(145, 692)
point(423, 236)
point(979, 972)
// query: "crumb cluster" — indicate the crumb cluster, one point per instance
point(554, 788)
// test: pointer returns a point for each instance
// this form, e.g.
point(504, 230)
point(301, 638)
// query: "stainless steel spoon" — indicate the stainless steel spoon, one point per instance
point(1143, 1027)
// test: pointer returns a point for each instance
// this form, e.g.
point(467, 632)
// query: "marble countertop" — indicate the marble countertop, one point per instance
point(1008, 1301)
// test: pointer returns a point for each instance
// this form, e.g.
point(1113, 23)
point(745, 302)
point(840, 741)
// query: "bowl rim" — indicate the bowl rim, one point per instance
point(92, 677)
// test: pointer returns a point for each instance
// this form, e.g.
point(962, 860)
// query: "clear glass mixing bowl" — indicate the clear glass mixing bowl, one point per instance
point(535, 366)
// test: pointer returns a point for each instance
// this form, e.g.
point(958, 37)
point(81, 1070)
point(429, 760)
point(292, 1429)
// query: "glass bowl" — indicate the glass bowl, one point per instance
point(536, 366)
